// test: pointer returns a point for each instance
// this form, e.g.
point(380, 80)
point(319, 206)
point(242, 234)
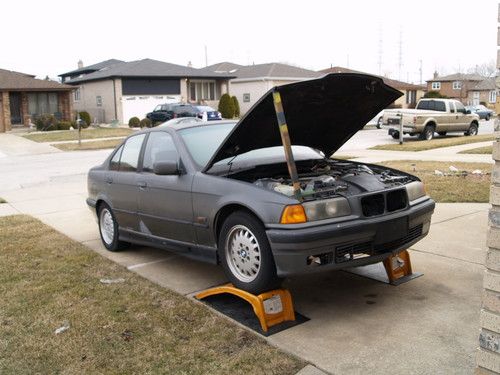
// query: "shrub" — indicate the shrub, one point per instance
point(236, 106)
point(84, 115)
point(46, 122)
point(134, 122)
point(145, 123)
point(226, 106)
point(434, 94)
point(64, 125)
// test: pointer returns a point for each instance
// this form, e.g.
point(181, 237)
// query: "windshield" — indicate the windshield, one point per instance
point(203, 141)
point(205, 108)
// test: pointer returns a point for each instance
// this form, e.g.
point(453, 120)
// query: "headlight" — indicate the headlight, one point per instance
point(327, 209)
point(415, 190)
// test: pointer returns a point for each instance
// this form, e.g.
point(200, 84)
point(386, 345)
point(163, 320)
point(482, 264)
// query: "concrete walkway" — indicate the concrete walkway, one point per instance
point(15, 145)
point(437, 154)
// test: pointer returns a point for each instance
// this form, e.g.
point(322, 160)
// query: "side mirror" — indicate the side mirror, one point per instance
point(468, 112)
point(166, 168)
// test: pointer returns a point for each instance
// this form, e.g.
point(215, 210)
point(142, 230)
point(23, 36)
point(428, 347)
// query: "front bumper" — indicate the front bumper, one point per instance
point(348, 244)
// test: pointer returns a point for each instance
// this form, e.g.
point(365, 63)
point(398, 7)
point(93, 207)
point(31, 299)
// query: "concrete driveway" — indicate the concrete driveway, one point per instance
point(427, 326)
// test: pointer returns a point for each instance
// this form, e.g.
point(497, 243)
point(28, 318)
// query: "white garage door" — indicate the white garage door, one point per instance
point(139, 106)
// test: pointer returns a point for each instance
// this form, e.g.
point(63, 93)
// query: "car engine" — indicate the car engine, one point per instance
point(336, 178)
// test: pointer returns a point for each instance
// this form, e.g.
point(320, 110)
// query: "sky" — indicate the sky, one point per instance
point(391, 38)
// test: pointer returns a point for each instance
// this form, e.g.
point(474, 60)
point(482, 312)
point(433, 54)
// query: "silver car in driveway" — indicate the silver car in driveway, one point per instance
point(225, 193)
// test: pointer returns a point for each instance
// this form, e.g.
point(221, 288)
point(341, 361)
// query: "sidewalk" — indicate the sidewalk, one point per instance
point(15, 145)
point(438, 154)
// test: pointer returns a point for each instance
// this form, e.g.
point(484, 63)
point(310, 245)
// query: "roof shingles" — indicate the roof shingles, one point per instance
point(10, 80)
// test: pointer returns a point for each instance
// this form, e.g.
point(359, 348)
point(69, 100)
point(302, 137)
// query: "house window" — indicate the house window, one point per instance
point(246, 98)
point(492, 96)
point(411, 97)
point(98, 100)
point(436, 85)
point(76, 94)
point(42, 103)
point(203, 90)
point(457, 85)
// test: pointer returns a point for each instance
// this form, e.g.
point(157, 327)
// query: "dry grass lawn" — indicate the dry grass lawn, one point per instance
point(449, 188)
point(133, 327)
point(418, 145)
point(488, 150)
point(90, 145)
point(72, 135)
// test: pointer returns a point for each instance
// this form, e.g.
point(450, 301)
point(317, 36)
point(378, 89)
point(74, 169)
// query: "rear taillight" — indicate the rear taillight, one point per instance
point(175, 115)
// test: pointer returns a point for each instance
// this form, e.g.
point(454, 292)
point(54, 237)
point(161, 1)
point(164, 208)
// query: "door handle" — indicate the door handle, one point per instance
point(142, 184)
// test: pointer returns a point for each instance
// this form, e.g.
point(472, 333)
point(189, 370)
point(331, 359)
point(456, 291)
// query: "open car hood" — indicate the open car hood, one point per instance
point(321, 113)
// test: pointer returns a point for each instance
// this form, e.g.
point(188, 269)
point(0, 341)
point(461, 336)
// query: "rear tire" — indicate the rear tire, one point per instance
point(379, 122)
point(395, 135)
point(428, 133)
point(246, 255)
point(108, 229)
point(472, 129)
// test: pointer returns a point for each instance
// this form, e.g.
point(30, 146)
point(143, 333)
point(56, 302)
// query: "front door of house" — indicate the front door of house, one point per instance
point(15, 108)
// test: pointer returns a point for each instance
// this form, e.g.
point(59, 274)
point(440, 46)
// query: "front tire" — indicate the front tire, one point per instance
point(473, 129)
point(108, 229)
point(395, 134)
point(379, 122)
point(246, 255)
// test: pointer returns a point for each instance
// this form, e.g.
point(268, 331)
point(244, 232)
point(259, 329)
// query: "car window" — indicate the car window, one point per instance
point(424, 104)
point(460, 107)
point(203, 141)
point(114, 164)
point(157, 108)
point(160, 147)
point(130, 153)
point(452, 107)
point(440, 106)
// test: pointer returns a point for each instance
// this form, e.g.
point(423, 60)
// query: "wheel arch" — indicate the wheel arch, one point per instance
point(224, 213)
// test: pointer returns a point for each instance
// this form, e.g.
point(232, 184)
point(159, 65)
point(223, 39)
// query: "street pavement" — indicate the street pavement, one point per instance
point(357, 325)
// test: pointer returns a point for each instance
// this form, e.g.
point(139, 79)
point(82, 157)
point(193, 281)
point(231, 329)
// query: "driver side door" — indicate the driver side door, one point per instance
point(164, 202)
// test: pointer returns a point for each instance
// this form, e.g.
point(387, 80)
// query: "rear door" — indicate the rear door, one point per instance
point(462, 120)
point(121, 182)
point(165, 206)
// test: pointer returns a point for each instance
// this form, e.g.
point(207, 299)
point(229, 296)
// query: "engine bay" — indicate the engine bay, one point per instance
point(326, 178)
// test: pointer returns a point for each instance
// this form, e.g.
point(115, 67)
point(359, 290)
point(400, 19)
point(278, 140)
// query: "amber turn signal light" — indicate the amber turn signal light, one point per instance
point(293, 214)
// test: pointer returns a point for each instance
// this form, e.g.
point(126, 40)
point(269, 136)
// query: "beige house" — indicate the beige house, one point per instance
point(455, 86)
point(483, 92)
point(117, 90)
point(411, 93)
point(253, 81)
point(23, 98)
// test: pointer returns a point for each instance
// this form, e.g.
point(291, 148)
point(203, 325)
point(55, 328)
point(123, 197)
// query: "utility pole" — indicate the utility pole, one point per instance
point(400, 60)
point(420, 71)
point(380, 51)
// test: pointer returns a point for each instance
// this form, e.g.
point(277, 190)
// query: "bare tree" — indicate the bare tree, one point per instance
point(485, 69)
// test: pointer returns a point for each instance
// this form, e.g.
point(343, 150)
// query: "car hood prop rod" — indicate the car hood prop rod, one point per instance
point(285, 139)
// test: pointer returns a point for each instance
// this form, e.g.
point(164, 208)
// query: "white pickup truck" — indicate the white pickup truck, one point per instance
point(431, 116)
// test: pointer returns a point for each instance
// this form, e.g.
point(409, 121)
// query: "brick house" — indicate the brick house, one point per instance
point(411, 92)
point(117, 90)
point(23, 97)
point(455, 86)
point(483, 92)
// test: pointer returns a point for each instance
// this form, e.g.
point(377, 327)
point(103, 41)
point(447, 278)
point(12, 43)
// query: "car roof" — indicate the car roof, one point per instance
point(177, 127)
